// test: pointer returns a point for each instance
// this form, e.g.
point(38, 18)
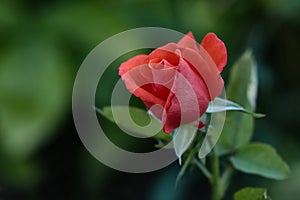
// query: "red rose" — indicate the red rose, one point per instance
point(177, 81)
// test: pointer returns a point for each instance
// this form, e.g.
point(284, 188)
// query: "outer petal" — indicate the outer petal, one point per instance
point(216, 49)
point(132, 63)
point(138, 81)
point(188, 41)
point(188, 100)
point(205, 67)
point(149, 84)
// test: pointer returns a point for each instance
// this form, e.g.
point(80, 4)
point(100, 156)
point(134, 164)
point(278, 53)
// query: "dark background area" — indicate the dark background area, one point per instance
point(42, 45)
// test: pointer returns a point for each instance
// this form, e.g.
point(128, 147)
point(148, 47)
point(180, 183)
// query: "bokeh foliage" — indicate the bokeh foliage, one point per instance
point(42, 44)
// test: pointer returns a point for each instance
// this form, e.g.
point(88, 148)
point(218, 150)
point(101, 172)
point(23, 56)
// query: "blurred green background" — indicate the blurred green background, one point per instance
point(43, 43)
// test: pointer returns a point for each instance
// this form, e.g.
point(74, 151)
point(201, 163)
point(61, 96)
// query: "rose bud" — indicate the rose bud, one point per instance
point(177, 81)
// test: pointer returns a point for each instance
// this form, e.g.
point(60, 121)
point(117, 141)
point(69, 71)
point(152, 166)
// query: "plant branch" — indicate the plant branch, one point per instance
point(215, 183)
point(225, 180)
point(204, 170)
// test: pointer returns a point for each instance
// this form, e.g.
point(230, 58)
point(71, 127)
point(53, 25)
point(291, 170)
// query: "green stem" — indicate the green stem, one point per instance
point(204, 170)
point(225, 180)
point(215, 182)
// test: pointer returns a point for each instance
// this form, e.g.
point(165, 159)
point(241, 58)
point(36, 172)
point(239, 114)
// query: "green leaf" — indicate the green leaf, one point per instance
point(241, 89)
point(183, 137)
point(135, 121)
point(251, 194)
point(213, 132)
point(260, 159)
point(220, 104)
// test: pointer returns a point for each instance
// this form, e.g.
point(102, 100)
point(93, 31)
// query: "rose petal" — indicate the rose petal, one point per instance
point(149, 84)
point(166, 52)
point(200, 124)
point(216, 49)
point(188, 41)
point(205, 67)
point(135, 79)
point(132, 63)
point(190, 100)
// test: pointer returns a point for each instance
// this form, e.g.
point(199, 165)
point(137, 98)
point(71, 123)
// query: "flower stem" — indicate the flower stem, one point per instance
point(215, 182)
point(206, 173)
point(225, 180)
